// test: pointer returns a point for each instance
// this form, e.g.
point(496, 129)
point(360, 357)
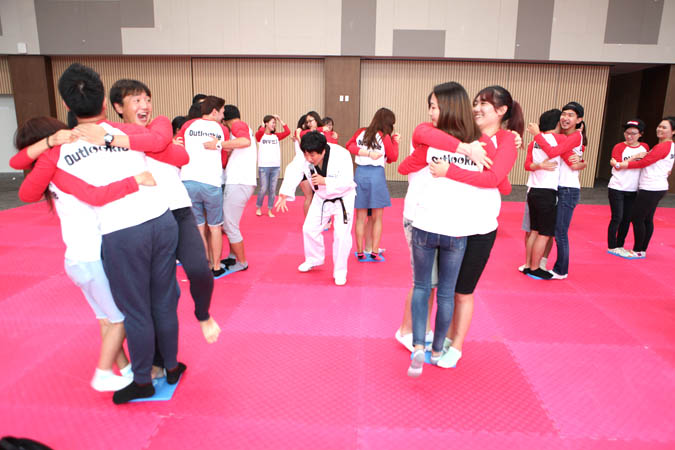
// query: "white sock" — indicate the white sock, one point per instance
point(126, 371)
point(542, 263)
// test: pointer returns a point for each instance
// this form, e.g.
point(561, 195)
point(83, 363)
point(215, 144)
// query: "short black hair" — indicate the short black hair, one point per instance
point(313, 142)
point(231, 112)
point(122, 88)
point(549, 120)
point(177, 123)
point(198, 98)
point(82, 90)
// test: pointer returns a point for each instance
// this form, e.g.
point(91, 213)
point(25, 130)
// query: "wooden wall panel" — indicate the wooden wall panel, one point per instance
point(403, 86)
point(169, 80)
point(5, 80)
point(288, 87)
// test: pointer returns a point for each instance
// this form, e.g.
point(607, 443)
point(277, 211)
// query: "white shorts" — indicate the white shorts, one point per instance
point(90, 277)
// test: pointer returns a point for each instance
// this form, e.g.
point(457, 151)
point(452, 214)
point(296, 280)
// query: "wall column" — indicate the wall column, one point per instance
point(32, 86)
point(342, 75)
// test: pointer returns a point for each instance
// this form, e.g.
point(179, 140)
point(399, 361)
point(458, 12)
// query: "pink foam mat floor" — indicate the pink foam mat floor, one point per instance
point(584, 363)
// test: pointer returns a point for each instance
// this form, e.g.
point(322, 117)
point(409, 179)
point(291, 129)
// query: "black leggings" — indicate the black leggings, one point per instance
point(643, 217)
point(621, 204)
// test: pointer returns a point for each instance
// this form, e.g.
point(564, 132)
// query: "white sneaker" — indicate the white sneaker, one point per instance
point(340, 280)
point(449, 358)
point(556, 276)
point(305, 267)
point(417, 364)
point(522, 268)
point(106, 381)
point(405, 340)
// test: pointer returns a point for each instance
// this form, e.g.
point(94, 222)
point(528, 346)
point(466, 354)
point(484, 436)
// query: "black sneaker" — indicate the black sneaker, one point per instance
point(539, 274)
point(525, 271)
point(218, 273)
point(228, 262)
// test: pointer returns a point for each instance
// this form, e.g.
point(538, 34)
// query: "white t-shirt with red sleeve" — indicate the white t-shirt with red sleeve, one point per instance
point(543, 179)
point(655, 167)
point(242, 162)
point(205, 166)
point(269, 149)
point(627, 179)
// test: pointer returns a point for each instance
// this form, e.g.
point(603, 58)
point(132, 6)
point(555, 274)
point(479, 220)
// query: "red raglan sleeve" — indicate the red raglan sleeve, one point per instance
point(94, 195)
point(565, 144)
point(329, 137)
point(21, 161)
point(351, 144)
point(414, 162)
point(528, 157)
point(152, 139)
point(390, 149)
point(428, 135)
point(259, 134)
point(284, 134)
point(617, 151)
point(36, 182)
point(503, 160)
point(173, 154)
point(659, 152)
point(239, 130)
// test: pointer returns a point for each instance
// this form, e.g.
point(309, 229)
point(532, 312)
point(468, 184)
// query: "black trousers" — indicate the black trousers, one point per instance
point(140, 263)
point(643, 217)
point(192, 255)
point(621, 205)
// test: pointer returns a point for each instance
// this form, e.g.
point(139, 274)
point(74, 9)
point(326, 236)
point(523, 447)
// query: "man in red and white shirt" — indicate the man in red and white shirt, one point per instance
point(240, 182)
point(569, 188)
point(202, 176)
point(139, 234)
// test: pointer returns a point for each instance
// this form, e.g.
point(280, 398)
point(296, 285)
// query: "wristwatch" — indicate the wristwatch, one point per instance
point(219, 145)
point(617, 166)
point(108, 138)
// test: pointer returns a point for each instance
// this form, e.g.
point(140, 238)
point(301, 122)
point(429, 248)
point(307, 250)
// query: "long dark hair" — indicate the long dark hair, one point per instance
point(383, 120)
point(34, 130)
point(317, 117)
point(497, 96)
point(456, 115)
point(301, 121)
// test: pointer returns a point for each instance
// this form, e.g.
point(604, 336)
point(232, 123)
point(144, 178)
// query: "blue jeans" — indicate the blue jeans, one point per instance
point(568, 198)
point(269, 176)
point(450, 255)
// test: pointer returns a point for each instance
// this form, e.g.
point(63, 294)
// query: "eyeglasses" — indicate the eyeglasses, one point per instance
point(631, 133)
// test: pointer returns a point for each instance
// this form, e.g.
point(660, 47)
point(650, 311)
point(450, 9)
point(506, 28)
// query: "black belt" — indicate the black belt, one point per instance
point(333, 200)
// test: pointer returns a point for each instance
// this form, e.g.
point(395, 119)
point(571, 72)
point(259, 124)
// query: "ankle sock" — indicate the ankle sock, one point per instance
point(133, 391)
point(173, 375)
point(126, 371)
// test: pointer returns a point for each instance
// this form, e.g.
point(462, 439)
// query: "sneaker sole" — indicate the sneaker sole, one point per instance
point(534, 277)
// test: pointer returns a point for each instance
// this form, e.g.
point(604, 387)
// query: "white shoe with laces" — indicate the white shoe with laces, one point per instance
point(417, 364)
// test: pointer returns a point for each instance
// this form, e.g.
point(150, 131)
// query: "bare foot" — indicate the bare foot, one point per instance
point(258, 212)
point(157, 372)
point(270, 213)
